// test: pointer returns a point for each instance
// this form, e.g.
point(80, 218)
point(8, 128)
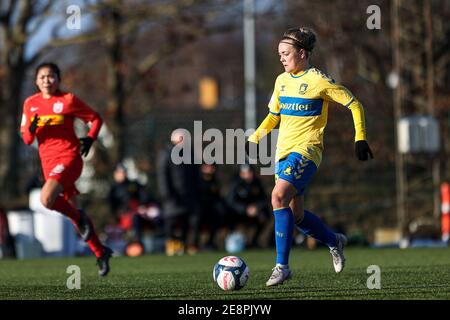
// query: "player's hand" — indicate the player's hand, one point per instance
point(251, 150)
point(33, 125)
point(362, 150)
point(86, 144)
point(252, 210)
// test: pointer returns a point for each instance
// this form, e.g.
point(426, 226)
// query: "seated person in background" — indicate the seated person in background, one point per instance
point(131, 204)
point(124, 193)
point(212, 205)
point(249, 203)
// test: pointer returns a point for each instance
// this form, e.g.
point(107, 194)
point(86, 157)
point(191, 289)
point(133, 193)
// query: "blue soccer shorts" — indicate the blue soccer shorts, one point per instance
point(296, 169)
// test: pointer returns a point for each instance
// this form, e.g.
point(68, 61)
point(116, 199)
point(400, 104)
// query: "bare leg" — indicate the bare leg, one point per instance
point(51, 198)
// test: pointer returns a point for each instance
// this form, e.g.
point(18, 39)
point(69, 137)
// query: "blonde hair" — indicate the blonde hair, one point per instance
point(302, 38)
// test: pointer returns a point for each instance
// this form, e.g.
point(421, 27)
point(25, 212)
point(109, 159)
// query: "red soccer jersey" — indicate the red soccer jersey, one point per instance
point(55, 131)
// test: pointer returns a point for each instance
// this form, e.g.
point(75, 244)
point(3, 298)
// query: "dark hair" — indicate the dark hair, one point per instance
point(302, 38)
point(245, 167)
point(52, 66)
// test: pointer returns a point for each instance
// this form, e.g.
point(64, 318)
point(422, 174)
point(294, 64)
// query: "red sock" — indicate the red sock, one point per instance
point(66, 208)
point(94, 242)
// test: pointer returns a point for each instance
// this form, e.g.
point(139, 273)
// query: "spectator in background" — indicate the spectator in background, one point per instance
point(178, 188)
point(124, 193)
point(212, 205)
point(249, 203)
point(132, 205)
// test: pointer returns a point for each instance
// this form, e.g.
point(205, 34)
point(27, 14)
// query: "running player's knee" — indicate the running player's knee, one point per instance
point(47, 201)
point(276, 200)
point(279, 199)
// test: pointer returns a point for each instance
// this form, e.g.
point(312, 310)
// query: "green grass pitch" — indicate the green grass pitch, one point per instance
point(405, 274)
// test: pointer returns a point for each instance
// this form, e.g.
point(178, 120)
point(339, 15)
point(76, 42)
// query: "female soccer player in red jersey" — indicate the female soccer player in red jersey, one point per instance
point(49, 116)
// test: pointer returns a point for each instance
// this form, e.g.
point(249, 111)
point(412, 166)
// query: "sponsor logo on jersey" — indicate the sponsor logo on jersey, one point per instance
point(58, 107)
point(50, 120)
point(294, 106)
point(34, 109)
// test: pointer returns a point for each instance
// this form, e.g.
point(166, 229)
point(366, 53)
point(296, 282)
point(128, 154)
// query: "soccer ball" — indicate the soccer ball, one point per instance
point(230, 273)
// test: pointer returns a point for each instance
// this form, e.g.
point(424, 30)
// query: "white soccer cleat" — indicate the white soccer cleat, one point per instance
point(279, 274)
point(337, 253)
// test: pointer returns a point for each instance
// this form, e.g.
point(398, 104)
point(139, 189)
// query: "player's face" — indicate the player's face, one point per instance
point(47, 81)
point(291, 59)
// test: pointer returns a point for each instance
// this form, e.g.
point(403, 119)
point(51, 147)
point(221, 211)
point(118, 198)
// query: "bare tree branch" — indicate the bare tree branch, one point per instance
point(42, 16)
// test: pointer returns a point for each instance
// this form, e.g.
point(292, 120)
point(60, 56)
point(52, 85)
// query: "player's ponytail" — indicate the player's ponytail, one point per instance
point(301, 38)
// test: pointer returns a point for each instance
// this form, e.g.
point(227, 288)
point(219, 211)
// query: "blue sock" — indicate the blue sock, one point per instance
point(284, 229)
point(312, 226)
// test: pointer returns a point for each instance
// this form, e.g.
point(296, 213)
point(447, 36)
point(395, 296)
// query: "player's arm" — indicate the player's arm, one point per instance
point(338, 93)
point(268, 124)
point(272, 119)
point(88, 115)
point(28, 125)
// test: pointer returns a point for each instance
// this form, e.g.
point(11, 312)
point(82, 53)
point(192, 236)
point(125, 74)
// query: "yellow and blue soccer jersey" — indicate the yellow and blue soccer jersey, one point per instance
point(300, 104)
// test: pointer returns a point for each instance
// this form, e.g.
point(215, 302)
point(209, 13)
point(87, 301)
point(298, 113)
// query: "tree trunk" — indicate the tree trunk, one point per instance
point(10, 138)
point(116, 88)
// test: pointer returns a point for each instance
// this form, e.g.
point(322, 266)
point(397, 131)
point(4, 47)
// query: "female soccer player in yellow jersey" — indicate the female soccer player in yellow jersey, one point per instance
point(299, 104)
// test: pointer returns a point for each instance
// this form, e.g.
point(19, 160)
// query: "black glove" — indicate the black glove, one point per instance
point(85, 146)
point(251, 150)
point(33, 125)
point(362, 150)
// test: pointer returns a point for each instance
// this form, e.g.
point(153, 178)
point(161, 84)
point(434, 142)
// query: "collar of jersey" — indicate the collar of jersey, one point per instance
point(301, 75)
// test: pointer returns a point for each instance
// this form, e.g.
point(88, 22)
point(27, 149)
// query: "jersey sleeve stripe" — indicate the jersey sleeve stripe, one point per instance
point(349, 103)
